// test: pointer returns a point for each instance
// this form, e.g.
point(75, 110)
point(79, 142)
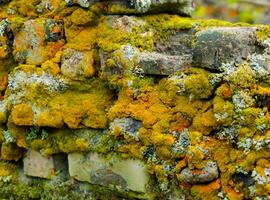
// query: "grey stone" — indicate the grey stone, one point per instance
point(215, 46)
point(112, 172)
point(82, 3)
point(145, 62)
point(207, 174)
point(177, 43)
point(154, 63)
point(36, 165)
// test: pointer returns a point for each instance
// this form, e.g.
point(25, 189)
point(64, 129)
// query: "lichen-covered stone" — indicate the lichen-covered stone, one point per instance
point(207, 174)
point(147, 105)
point(38, 41)
point(183, 7)
point(126, 126)
point(10, 151)
point(85, 108)
point(223, 45)
point(114, 172)
point(77, 65)
point(6, 38)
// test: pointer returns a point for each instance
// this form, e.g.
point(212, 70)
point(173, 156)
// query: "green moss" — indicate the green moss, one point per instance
point(65, 190)
point(8, 173)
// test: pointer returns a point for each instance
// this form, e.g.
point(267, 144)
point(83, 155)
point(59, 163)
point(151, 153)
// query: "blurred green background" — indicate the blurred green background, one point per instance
point(250, 11)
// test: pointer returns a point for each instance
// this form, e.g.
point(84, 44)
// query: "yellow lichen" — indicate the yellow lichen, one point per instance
point(205, 192)
point(10, 151)
point(22, 115)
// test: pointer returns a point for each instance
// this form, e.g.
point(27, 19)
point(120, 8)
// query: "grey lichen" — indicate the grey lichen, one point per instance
point(4, 25)
point(8, 137)
point(181, 145)
point(127, 126)
point(141, 6)
point(260, 65)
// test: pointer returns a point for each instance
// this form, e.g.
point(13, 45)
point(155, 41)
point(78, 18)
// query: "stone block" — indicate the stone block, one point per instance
point(207, 174)
point(36, 165)
point(77, 65)
point(153, 63)
point(215, 46)
point(38, 41)
point(111, 172)
point(64, 103)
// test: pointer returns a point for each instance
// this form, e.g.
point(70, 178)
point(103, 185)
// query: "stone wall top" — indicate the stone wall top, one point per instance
point(182, 7)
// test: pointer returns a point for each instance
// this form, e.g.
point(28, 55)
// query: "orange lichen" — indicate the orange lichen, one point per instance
point(261, 90)
point(224, 91)
point(206, 192)
point(205, 122)
point(232, 194)
point(22, 115)
point(51, 119)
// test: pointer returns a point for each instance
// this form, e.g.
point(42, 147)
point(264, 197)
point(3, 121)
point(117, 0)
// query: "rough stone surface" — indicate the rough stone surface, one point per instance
point(77, 65)
point(144, 106)
point(36, 165)
point(162, 64)
point(170, 55)
point(223, 45)
point(207, 174)
point(183, 7)
point(38, 41)
point(113, 172)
